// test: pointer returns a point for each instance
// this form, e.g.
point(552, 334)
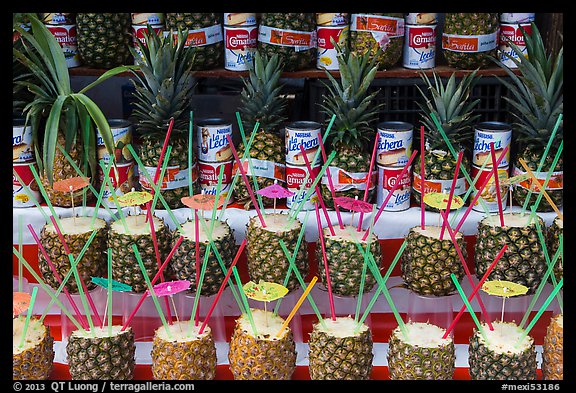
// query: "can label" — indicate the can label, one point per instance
point(241, 45)
point(331, 19)
point(208, 173)
point(299, 40)
point(510, 33)
point(201, 37)
point(343, 180)
point(420, 47)
point(122, 136)
point(295, 176)
point(123, 180)
point(517, 17)
point(440, 186)
point(22, 147)
point(138, 34)
point(421, 18)
point(26, 193)
point(66, 36)
point(556, 181)
point(213, 142)
point(388, 177)
point(489, 194)
point(239, 19)
point(147, 18)
point(469, 43)
point(57, 18)
point(174, 177)
point(394, 146)
point(327, 54)
point(262, 168)
point(483, 138)
point(382, 28)
point(306, 134)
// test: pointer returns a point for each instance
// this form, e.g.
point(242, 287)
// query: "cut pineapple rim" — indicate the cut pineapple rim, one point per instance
point(434, 231)
point(76, 225)
point(100, 332)
point(423, 334)
point(504, 337)
point(267, 325)
point(183, 331)
point(34, 335)
point(559, 320)
point(219, 231)
point(511, 220)
point(348, 233)
point(277, 222)
point(137, 225)
point(342, 327)
point(559, 222)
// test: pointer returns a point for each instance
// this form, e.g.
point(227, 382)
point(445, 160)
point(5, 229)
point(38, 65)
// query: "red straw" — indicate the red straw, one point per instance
point(476, 289)
point(394, 187)
point(422, 208)
point(369, 179)
point(153, 281)
point(197, 238)
point(222, 286)
point(457, 171)
point(330, 184)
point(479, 192)
point(328, 281)
point(246, 181)
point(318, 194)
point(496, 182)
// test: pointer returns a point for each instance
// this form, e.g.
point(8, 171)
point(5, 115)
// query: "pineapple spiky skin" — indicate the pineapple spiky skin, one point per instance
point(553, 349)
point(554, 232)
point(104, 39)
point(34, 363)
point(108, 357)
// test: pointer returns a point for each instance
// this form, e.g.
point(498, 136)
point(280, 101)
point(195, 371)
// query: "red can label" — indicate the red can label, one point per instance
point(420, 46)
point(23, 194)
point(512, 33)
point(489, 194)
point(388, 177)
point(295, 176)
point(327, 54)
point(123, 180)
point(66, 36)
point(138, 34)
point(208, 173)
point(241, 44)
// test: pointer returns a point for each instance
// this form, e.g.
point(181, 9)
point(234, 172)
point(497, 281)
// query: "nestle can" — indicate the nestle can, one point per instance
point(394, 143)
point(122, 136)
point(419, 47)
point(240, 47)
point(149, 18)
point(512, 33)
point(25, 193)
point(327, 54)
point(66, 36)
point(239, 19)
point(332, 19)
point(295, 176)
point(138, 34)
point(22, 146)
point(517, 18)
point(303, 133)
point(387, 179)
point(486, 133)
point(60, 18)
point(123, 179)
point(213, 145)
point(208, 173)
point(421, 18)
point(489, 194)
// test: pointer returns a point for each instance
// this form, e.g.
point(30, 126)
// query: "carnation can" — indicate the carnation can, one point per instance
point(212, 136)
point(517, 18)
point(424, 18)
point(138, 34)
point(394, 143)
point(487, 133)
point(22, 146)
point(331, 19)
point(147, 18)
point(327, 54)
point(58, 18)
point(489, 194)
point(122, 136)
point(25, 190)
point(303, 133)
point(66, 36)
point(295, 176)
point(388, 177)
point(239, 19)
point(512, 33)
point(208, 173)
point(419, 47)
point(123, 179)
point(240, 47)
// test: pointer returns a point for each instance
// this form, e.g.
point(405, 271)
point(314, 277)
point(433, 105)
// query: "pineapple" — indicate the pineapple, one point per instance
point(471, 24)
point(265, 258)
point(101, 354)
point(538, 100)
point(207, 56)
point(499, 358)
point(264, 356)
point(76, 231)
point(164, 93)
point(554, 232)
point(125, 266)
point(293, 59)
point(523, 261)
point(261, 102)
point(180, 355)
point(34, 360)
point(428, 262)
point(553, 349)
point(340, 351)
point(104, 39)
point(345, 261)
point(183, 262)
point(422, 354)
point(451, 105)
point(350, 100)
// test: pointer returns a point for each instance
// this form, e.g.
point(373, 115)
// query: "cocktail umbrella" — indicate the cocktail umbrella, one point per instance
point(70, 185)
point(114, 286)
point(504, 289)
point(264, 291)
point(169, 288)
point(135, 198)
point(354, 205)
point(275, 191)
point(20, 302)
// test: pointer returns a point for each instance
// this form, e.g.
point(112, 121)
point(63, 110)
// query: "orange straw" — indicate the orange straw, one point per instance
point(537, 184)
point(298, 304)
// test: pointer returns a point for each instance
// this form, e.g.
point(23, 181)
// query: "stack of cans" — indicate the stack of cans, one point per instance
point(214, 151)
point(511, 26)
point(140, 22)
point(331, 27)
point(63, 28)
point(420, 41)
point(26, 191)
point(240, 40)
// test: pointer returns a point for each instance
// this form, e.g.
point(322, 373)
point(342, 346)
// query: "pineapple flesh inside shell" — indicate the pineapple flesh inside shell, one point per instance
point(34, 360)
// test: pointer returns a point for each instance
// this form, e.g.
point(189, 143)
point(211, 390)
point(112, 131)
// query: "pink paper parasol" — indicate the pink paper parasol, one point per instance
point(275, 191)
point(353, 204)
point(169, 288)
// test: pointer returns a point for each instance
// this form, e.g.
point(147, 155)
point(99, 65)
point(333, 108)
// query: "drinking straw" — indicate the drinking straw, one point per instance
point(497, 183)
point(452, 187)
point(218, 188)
point(468, 306)
point(28, 316)
point(20, 248)
point(422, 181)
point(249, 159)
point(394, 187)
point(100, 195)
point(109, 304)
point(190, 152)
point(328, 281)
point(476, 289)
point(365, 198)
point(197, 255)
point(32, 197)
point(44, 194)
point(199, 280)
point(297, 306)
point(83, 297)
point(151, 205)
point(330, 184)
point(222, 286)
point(164, 146)
point(116, 202)
point(556, 158)
point(364, 267)
point(542, 190)
point(151, 290)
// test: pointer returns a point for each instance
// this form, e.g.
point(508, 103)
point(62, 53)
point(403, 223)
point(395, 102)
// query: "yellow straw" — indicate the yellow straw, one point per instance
point(297, 306)
point(540, 189)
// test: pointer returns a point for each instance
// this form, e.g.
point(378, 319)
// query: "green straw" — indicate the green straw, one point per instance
point(157, 189)
point(151, 291)
point(82, 294)
point(215, 207)
point(190, 152)
point(86, 143)
point(241, 126)
point(109, 291)
point(254, 180)
point(193, 321)
point(543, 188)
point(28, 316)
point(245, 300)
point(44, 194)
point(32, 198)
point(468, 306)
point(116, 201)
point(100, 195)
point(365, 264)
point(20, 246)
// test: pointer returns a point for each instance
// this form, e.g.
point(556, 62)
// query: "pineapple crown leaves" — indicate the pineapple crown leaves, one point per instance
point(164, 90)
point(55, 107)
point(349, 98)
point(450, 103)
point(260, 98)
point(537, 92)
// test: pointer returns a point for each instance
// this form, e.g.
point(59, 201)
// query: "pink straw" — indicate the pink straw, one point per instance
point(422, 208)
point(496, 182)
point(394, 187)
point(318, 194)
point(331, 185)
point(457, 171)
point(143, 297)
point(369, 179)
point(479, 192)
point(246, 181)
point(222, 286)
point(328, 281)
point(476, 289)
point(197, 238)
point(164, 147)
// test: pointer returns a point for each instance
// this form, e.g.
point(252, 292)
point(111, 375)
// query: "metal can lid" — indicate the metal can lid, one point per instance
point(213, 121)
point(494, 126)
point(119, 123)
point(303, 125)
point(395, 126)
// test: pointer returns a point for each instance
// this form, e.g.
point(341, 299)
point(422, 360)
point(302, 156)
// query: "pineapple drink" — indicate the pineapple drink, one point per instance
point(424, 355)
point(428, 262)
point(35, 359)
point(523, 261)
point(499, 358)
point(99, 355)
point(552, 354)
point(554, 232)
point(338, 353)
point(183, 357)
point(345, 261)
point(262, 357)
point(76, 232)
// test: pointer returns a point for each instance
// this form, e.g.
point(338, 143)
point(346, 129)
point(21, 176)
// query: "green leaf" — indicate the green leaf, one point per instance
point(99, 119)
point(51, 137)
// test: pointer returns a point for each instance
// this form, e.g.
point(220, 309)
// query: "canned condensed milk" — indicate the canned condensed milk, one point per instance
point(487, 133)
point(66, 36)
point(489, 194)
point(421, 18)
point(517, 17)
point(295, 177)
point(303, 133)
point(512, 33)
point(208, 173)
point(138, 31)
point(212, 137)
point(239, 18)
point(147, 18)
point(394, 143)
point(419, 47)
point(388, 177)
point(240, 47)
point(327, 53)
point(25, 190)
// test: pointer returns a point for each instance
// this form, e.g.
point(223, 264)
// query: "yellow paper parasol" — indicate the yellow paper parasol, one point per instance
point(504, 288)
point(439, 201)
point(264, 291)
point(135, 198)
